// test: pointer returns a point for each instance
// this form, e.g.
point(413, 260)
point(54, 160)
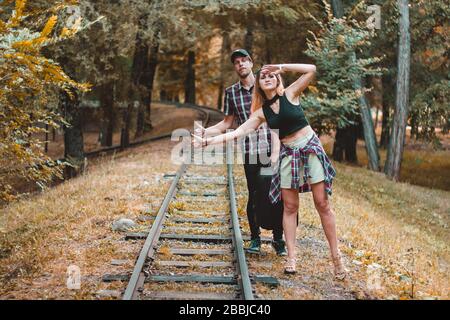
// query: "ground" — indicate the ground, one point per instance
point(394, 235)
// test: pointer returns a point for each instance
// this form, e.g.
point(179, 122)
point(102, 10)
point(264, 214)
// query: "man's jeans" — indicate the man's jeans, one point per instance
point(251, 173)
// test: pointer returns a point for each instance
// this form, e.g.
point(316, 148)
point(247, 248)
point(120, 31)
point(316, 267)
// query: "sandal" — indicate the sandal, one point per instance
point(339, 269)
point(289, 267)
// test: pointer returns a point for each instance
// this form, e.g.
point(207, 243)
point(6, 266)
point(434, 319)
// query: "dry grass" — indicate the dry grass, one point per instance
point(421, 165)
point(71, 223)
point(388, 219)
point(379, 223)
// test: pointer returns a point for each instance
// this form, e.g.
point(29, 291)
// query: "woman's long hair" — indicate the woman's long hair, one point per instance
point(259, 97)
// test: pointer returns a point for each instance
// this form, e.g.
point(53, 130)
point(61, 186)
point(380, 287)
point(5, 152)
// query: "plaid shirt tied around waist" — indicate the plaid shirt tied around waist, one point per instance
point(299, 158)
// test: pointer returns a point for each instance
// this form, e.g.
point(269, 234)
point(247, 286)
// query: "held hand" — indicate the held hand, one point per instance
point(272, 68)
point(197, 141)
point(274, 161)
point(199, 130)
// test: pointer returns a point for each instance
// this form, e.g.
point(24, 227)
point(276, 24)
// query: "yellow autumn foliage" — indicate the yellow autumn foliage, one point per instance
point(27, 81)
point(49, 26)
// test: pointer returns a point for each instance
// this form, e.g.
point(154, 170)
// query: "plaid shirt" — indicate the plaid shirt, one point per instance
point(237, 101)
point(299, 158)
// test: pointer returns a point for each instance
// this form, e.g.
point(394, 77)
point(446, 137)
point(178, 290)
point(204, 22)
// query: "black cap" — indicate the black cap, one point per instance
point(239, 53)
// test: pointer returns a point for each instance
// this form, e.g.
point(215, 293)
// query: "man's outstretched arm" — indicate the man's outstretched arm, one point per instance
point(223, 125)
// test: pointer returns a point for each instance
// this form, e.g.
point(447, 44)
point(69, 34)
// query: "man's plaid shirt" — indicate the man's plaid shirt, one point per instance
point(238, 101)
point(300, 158)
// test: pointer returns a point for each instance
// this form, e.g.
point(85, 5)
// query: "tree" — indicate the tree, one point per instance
point(28, 81)
point(333, 103)
point(189, 87)
point(76, 55)
point(369, 132)
point(429, 105)
point(429, 66)
point(397, 141)
point(219, 27)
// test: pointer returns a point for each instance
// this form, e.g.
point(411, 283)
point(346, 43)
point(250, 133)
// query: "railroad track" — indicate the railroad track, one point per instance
point(194, 248)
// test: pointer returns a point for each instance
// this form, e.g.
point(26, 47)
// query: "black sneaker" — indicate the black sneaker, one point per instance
point(255, 246)
point(280, 247)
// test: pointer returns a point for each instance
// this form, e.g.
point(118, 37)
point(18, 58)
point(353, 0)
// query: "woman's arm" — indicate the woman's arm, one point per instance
point(297, 87)
point(218, 128)
point(255, 120)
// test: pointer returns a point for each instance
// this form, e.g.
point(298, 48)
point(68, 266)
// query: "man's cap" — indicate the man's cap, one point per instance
point(239, 53)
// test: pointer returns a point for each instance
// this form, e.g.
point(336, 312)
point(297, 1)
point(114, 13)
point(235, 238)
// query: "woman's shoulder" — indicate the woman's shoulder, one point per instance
point(260, 113)
point(291, 97)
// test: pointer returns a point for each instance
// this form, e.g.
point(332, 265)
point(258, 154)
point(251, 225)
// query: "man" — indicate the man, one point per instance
point(237, 102)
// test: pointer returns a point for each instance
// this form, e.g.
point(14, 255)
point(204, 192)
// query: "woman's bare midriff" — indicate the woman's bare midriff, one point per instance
point(297, 134)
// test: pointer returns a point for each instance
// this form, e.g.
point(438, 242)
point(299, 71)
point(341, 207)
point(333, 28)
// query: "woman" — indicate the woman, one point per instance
point(304, 165)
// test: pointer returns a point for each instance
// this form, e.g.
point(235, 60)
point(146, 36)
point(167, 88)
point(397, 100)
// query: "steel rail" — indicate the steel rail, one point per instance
point(243, 273)
point(138, 276)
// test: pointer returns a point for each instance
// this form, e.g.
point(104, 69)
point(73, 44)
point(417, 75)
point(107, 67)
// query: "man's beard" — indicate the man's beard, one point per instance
point(244, 75)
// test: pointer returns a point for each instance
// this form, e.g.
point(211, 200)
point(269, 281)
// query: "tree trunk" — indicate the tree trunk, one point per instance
point(225, 49)
point(377, 98)
point(163, 95)
point(220, 95)
point(268, 55)
point(140, 59)
point(345, 138)
point(385, 122)
point(149, 82)
point(248, 40)
point(337, 8)
point(344, 148)
point(46, 138)
point(377, 114)
point(107, 105)
point(140, 63)
point(189, 86)
point(414, 127)
point(150, 64)
point(385, 127)
point(140, 121)
point(126, 124)
point(73, 134)
point(369, 132)
point(397, 141)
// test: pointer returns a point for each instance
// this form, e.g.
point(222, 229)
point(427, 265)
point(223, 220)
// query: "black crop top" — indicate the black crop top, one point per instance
point(290, 117)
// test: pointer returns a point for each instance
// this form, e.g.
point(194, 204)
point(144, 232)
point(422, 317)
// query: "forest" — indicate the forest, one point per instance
point(82, 83)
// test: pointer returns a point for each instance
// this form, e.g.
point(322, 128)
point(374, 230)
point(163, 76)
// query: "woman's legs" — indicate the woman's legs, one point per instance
point(290, 209)
point(326, 215)
point(329, 226)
